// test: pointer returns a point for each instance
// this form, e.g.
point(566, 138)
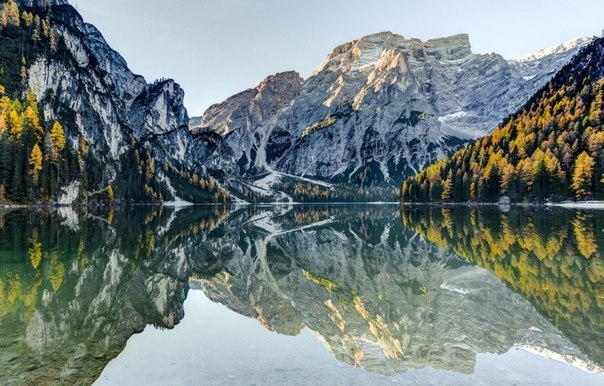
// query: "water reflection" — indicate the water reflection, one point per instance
point(384, 297)
point(554, 258)
point(74, 287)
point(383, 290)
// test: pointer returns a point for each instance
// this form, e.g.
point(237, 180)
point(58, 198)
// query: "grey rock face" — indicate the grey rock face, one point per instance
point(381, 108)
point(108, 106)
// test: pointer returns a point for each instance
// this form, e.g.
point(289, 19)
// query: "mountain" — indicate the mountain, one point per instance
point(377, 109)
point(122, 138)
point(77, 126)
point(550, 149)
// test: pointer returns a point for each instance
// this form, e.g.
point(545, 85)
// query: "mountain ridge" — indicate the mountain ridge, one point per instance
point(383, 107)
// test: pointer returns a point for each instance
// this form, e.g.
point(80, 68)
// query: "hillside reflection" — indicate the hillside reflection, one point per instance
point(381, 294)
point(75, 287)
point(553, 258)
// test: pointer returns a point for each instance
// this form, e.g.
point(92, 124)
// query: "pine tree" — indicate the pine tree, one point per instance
point(58, 139)
point(583, 175)
point(35, 162)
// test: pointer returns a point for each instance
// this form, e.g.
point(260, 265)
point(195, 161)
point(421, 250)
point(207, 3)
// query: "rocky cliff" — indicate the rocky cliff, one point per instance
point(112, 117)
point(380, 108)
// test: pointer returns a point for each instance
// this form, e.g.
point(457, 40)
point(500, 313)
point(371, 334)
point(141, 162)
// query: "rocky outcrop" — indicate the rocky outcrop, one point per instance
point(251, 108)
point(90, 89)
point(381, 108)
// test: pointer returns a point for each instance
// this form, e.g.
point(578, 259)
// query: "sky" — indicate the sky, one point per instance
point(217, 48)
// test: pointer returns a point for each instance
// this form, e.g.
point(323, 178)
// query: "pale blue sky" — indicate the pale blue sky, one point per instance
point(216, 48)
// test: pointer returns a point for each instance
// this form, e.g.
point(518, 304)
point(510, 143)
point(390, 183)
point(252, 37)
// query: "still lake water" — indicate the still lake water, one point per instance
point(337, 295)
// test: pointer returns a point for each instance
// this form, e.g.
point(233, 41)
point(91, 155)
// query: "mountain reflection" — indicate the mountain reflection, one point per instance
point(384, 290)
point(75, 287)
point(553, 258)
point(383, 297)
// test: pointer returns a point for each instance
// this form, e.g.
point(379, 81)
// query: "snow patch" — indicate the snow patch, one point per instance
point(70, 218)
point(566, 46)
point(448, 287)
point(529, 77)
point(70, 193)
point(453, 116)
point(177, 202)
point(264, 221)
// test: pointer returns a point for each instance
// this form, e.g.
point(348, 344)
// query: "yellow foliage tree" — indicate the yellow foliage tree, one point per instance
point(35, 251)
point(110, 194)
point(57, 137)
point(583, 175)
point(15, 123)
point(35, 162)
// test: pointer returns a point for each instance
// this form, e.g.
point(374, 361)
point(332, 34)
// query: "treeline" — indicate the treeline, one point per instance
point(551, 149)
point(34, 157)
point(303, 191)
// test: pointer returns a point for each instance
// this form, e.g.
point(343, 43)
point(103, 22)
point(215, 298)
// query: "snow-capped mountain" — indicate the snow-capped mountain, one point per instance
point(379, 108)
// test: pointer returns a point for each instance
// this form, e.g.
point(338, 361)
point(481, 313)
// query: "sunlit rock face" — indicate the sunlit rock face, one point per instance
point(378, 296)
point(379, 108)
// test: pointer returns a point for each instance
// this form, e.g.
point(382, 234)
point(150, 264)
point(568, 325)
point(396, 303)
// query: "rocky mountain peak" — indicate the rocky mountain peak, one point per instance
point(250, 108)
point(377, 109)
point(272, 82)
point(371, 50)
point(569, 46)
point(449, 48)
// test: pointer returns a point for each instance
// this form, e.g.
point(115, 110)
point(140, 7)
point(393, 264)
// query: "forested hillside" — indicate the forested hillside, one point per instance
point(549, 150)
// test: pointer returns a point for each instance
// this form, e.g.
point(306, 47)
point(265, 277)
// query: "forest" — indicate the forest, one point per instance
point(550, 150)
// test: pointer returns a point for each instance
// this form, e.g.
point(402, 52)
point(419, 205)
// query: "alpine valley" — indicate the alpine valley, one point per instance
point(77, 126)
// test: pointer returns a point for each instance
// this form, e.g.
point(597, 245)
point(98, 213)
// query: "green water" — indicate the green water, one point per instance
point(366, 293)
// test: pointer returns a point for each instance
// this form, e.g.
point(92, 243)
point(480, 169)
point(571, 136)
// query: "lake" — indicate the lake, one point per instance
point(302, 295)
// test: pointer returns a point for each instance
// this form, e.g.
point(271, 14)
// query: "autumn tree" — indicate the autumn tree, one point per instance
point(35, 162)
point(583, 175)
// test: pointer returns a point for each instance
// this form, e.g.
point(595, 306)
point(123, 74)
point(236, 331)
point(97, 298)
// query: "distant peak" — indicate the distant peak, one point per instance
point(368, 49)
point(564, 47)
point(280, 78)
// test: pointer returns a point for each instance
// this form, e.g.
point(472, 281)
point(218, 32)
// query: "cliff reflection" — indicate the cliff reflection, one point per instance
point(381, 294)
point(74, 287)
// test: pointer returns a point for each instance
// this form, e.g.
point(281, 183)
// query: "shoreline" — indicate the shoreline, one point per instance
point(590, 204)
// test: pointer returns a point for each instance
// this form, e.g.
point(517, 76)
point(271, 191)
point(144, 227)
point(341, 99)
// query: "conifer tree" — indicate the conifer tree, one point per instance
point(35, 162)
point(582, 175)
